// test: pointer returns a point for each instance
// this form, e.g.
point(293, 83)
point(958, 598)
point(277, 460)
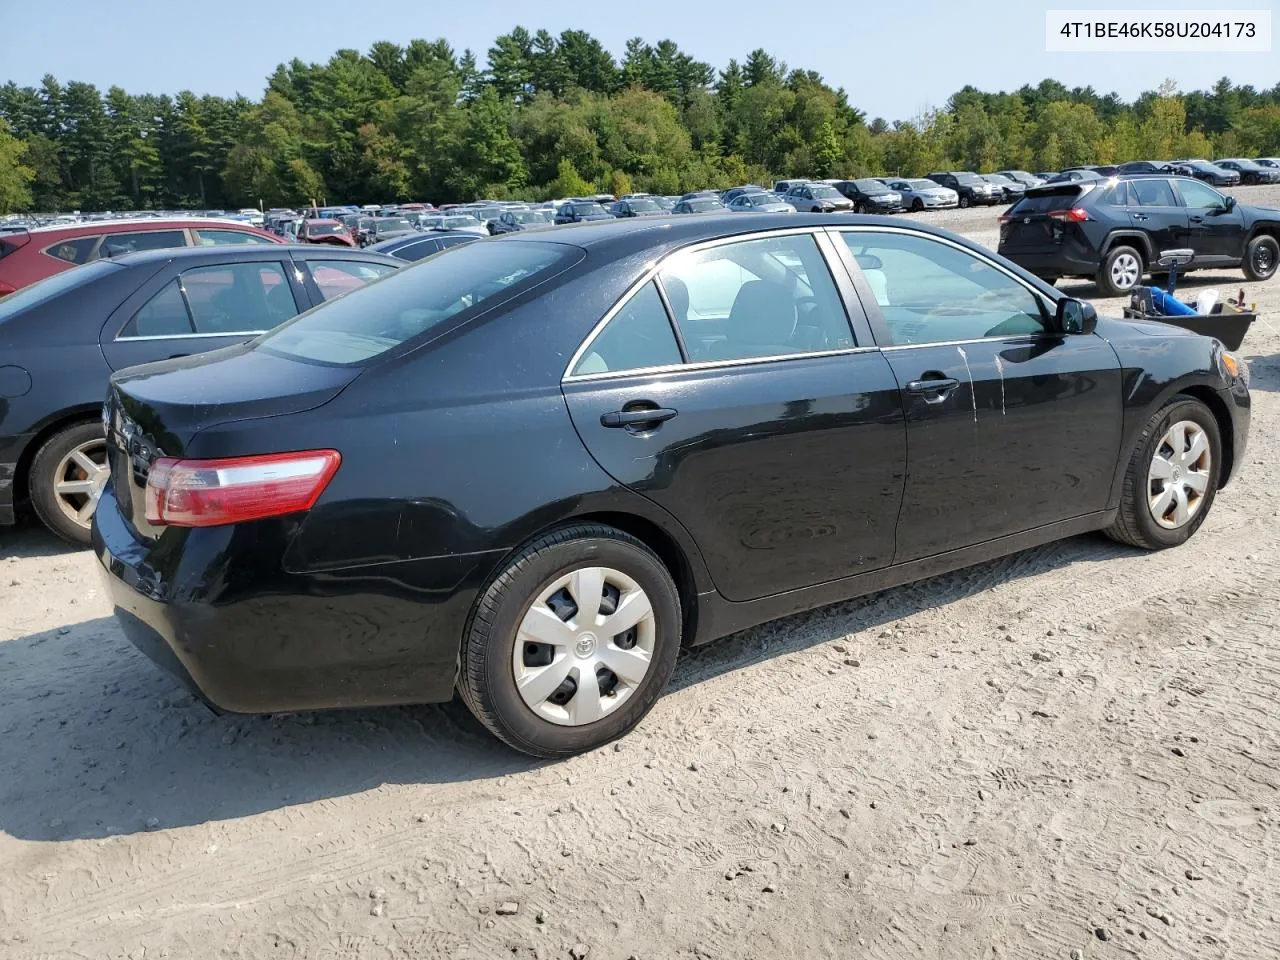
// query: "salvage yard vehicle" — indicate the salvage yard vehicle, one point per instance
point(818, 198)
point(417, 246)
point(921, 194)
point(1250, 171)
point(60, 339)
point(1112, 230)
point(534, 468)
point(328, 232)
point(971, 188)
point(30, 255)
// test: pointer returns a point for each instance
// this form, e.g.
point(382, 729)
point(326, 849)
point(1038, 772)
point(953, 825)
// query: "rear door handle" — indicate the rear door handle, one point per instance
point(635, 418)
point(1139, 216)
point(1197, 219)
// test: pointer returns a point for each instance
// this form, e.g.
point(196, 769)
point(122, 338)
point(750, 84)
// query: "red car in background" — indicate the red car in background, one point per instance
point(326, 231)
point(30, 255)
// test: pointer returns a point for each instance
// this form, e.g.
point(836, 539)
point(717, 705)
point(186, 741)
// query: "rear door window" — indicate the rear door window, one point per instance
point(118, 244)
point(1152, 193)
point(238, 297)
point(638, 337)
point(164, 315)
point(74, 249)
point(355, 329)
point(336, 277)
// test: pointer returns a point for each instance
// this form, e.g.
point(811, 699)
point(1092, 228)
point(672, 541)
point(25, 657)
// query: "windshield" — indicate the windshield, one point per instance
point(452, 222)
point(704, 203)
point(588, 209)
point(53, 286)
point(923, 185)
point(530, 216)
point(384, 314)
point(324, 229)
point(968, 178)
point(871, 186)
point(643, 206)
point(393, 223)
point(825, 192)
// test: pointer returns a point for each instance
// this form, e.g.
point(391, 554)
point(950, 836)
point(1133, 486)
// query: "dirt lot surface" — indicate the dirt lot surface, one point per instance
point(1074, 751)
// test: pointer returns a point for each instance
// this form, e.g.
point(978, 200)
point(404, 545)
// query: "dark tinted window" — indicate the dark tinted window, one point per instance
point(415, 251)
point(336, 277)
point(117, 244)
point(638, 336)
point(164, 315)
point(446, 242)
point(1062, 198)
point(1152, 193)
point(358, 328)
point(74, 250)
point(1116, 195)
point(238, 297)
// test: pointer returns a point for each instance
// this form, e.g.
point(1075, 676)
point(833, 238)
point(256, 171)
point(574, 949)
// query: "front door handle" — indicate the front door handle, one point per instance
point(934, 389)
point(644, 416)
point(1197, 219)
point(1139, 216)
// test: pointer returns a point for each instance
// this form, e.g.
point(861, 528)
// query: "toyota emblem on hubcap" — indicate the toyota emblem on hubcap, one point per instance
point(586, 645)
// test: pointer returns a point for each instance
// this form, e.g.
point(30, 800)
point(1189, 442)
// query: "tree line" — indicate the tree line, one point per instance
point(560, 116)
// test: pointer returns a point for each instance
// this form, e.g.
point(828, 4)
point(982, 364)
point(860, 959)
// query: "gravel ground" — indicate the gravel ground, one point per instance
point(1071, 752)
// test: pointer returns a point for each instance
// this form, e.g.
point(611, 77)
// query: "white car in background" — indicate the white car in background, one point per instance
point(920, 194)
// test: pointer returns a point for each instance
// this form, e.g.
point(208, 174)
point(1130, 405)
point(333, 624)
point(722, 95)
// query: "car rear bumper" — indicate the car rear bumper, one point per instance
point(1057, 263)
point(250, 637)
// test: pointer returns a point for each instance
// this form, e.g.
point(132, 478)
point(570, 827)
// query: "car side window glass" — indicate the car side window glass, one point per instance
point(1153, 193)
point(1116, 195)
point(771, 297)
point(336, 277)
point(74, 250)
point(931, 292)
point(118, 244)
point(1196, 194)
point(164, 315)
point(238, 297)
point(639, 336)
point(218, 238)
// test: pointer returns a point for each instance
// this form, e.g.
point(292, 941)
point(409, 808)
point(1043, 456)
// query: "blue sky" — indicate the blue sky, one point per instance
point(893, 58)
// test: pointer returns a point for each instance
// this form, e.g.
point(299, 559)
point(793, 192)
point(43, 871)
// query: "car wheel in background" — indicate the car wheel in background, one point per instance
point(573, 642)
point(1261, 256)
point(68, 475)
point(1121, 271)
point(964, 201)
point(916, 205)
point(1172, 477)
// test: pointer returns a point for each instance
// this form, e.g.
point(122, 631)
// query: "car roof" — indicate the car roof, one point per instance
point(123, 223)
point(241, 251)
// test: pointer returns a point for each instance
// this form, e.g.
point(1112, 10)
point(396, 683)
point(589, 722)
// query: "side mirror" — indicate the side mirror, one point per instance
point(1076, 316)
point(1231, 203)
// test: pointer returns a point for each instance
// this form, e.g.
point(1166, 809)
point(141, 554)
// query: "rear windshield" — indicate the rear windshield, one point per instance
point(324, 229)
point(1062, 198)
point(376, 318)
point(53, 286)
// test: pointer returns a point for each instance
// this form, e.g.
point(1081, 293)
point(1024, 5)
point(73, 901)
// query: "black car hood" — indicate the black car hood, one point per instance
point(1115, 328)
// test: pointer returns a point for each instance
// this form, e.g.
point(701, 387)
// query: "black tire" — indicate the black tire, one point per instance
point(42, 480)
point(917, 205)
point(964, 201)
point(1104, 280)
point(859, 207)
point(486, 679)
point(1261, 257)
point(1134, 524)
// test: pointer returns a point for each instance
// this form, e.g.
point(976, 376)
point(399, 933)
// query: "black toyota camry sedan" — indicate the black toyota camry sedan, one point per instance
point(533, 469)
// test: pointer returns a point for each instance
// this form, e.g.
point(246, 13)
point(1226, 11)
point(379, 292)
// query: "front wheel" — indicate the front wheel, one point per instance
point(571, 645)
point(916, 205)
point(1261, 257)
point(1172, 477)
point(964, 202)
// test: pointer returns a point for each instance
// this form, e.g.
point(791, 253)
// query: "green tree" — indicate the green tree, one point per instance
point(15, 176)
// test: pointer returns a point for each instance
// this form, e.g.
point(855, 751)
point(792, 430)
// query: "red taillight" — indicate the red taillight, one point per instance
point(1075, 215)
point(1005, 217)
point(210, 493)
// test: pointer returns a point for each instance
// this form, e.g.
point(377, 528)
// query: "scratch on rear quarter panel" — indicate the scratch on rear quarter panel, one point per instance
point(973, 396)
point(1000, 370)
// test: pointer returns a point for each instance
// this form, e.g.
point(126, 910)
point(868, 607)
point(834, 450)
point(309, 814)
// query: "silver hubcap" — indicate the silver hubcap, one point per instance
point(1179, 474)
point(80, 479)
point(1125, 271)
point(584, 646)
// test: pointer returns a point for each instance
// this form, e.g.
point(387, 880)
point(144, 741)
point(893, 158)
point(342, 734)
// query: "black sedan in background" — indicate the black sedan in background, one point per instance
point(870, 196)
point(418, 246)
point(513, 221)
point(534, 468)
point(60, 339)
point(1250, 171)
point(1210, 173)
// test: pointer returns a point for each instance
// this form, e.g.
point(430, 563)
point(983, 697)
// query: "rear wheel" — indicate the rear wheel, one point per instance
point(573, 642)
point(1261, 257)
point(917, 205)
point(1121, 271)
point(67, 477)
point(964, 201)
point(1172, 477)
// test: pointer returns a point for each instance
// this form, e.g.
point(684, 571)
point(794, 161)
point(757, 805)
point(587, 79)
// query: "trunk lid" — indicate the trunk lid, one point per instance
point(155, 410)
point(1030, 226)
